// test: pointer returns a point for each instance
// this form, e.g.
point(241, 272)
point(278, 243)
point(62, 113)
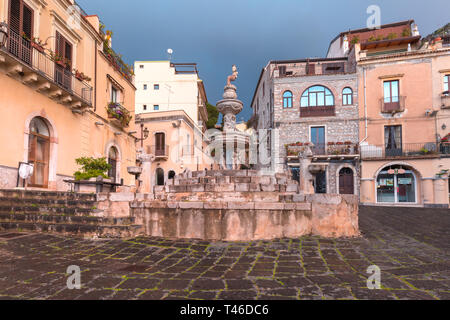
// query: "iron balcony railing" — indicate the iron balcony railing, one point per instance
point(332, 149)
point(424, 149)
point(36, 59)
point(324, 111)
point(393, 104)
point(159, 151)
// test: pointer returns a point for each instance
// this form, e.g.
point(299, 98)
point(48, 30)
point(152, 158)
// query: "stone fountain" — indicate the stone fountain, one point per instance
point(235, 143)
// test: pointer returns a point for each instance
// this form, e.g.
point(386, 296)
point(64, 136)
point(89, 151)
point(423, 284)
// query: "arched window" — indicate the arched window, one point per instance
point(39, 152)
point(317, 96)
point(396, 184)
point(287, 99)
point(112, 160)
point(347, 97)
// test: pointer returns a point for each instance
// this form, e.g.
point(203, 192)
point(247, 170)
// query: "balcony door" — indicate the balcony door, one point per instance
point(63, 67)
point(391, 95)
point(318, 139)
point(393, 141)
point(160, 144)
point(38, 152)
point(20, 30)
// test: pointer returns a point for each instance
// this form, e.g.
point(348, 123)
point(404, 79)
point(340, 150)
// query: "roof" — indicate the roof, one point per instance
point(390, 25)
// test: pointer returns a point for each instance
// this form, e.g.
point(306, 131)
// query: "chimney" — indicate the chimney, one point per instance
point(415, 30)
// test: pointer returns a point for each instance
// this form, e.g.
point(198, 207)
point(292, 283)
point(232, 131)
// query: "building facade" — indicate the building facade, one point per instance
point(65, 94)
point(171, 103)
point(313, 104)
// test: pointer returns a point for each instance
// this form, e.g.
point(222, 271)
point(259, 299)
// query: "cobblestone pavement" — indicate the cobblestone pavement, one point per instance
point(411, 246)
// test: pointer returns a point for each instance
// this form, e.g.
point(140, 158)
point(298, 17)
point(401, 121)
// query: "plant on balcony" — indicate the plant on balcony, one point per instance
point(60, 60)
point(115, 110)
point(406, 32)
point(355, 40)
point(339, 143)
point(91, 168)
point(292, 153)
point(80, 75)
point(116, 59)
point(348, 143)
point(391, 36)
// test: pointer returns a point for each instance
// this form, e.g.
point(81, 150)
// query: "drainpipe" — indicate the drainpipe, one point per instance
point(95, 77)
point(365, 109)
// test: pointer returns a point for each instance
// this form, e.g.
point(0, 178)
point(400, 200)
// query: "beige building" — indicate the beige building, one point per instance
point(404, 114)
point(171, 104)
point(64, 94)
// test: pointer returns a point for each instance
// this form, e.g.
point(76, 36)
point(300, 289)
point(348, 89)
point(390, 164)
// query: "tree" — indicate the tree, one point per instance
point(213, 116)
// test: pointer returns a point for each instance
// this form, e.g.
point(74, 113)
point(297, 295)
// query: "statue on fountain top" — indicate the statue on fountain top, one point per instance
point(234, 76)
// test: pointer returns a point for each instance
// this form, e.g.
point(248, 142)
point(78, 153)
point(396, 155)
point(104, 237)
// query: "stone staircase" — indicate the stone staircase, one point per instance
point(61, 212)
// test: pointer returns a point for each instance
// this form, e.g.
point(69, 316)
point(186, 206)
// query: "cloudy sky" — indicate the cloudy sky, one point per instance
point(219, 33)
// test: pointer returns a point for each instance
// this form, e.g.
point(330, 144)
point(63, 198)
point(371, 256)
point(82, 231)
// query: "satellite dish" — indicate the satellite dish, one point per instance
point(170, 52)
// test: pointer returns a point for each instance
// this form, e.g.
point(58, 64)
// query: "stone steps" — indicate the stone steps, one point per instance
point(68, 219)
point(231, 196)
point(72, 229)
point(61, 212)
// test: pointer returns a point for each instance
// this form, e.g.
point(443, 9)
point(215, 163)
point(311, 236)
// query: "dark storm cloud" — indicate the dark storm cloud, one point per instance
point(217, 34)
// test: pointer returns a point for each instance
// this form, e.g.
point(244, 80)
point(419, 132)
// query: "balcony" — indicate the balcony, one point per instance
point(160, 152)
point(325, 111)
point(24, 59)
point(332, 150)
point(394, 105)
point(445, 98)
point(406, 150)
point(118, 114)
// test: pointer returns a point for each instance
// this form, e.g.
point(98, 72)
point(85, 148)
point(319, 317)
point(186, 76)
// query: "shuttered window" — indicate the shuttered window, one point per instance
point(21, 18)
point(64, 48)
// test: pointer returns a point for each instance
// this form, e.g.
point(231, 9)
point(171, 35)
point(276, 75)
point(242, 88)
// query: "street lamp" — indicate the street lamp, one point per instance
point(144, 134)
point(3, 34)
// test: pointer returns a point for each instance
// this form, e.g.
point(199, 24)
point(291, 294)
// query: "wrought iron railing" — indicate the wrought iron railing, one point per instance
point(36, 59)
point(404, 150)
point(325, 111)
point(329, 149)
point(158, 150)
point(393, 104)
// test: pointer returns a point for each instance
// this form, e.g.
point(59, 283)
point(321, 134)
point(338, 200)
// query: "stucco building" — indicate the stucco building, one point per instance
point(63, 91)
point(403, 114)
point(171, 103)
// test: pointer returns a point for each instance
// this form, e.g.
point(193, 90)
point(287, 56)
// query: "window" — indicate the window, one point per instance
point(145, 107)
point(156, 107)
point(114, 94)
point(160, 144)
point(317, 96)
point(287, 99)
point(347, 97)
point(112, 161)
point(391, 91)
point(396, 185)
point(393, 140)
point(446, 82)
point(318, 139)
point(156, 87)
point(145, 87)
point(21, 22)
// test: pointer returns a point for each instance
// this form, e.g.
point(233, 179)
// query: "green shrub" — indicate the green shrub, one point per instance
point(91, 168)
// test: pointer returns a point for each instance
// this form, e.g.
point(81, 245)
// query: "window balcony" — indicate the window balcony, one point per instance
point(394, 105)
point(161, 152)
point(445, 98)
point(118, 114)
point(21, 58)
point(405, 150)
point(324, 111)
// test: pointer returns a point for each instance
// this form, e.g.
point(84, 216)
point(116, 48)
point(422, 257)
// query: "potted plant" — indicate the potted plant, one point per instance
point(38, 44)
point(81, 76)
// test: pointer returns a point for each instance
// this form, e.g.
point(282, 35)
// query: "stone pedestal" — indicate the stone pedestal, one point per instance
point(145, 180)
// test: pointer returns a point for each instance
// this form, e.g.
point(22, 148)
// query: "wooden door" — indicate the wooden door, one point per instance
point(160, 144)
point(38, 156)
point(346, 181)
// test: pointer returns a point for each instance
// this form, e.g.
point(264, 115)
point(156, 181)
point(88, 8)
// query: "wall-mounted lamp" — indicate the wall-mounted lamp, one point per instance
point(98, 123)
point(444, 127)
point(117, 133)
point(3, 34)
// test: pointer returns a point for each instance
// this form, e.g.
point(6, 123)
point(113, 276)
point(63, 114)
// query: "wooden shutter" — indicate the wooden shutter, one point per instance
point(27, 21)
point(14, 16)
point(311, 69)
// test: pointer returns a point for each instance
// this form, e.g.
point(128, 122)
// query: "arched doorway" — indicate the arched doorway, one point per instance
point(112, 160)
point(346, 181)
point(159, 177)
point(39, 152)
point(396, 184)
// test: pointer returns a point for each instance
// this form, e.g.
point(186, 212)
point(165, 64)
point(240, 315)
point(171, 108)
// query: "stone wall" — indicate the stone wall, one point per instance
point(322, 215)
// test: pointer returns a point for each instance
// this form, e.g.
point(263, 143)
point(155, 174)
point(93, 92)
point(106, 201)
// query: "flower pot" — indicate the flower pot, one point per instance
point(38, 47)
